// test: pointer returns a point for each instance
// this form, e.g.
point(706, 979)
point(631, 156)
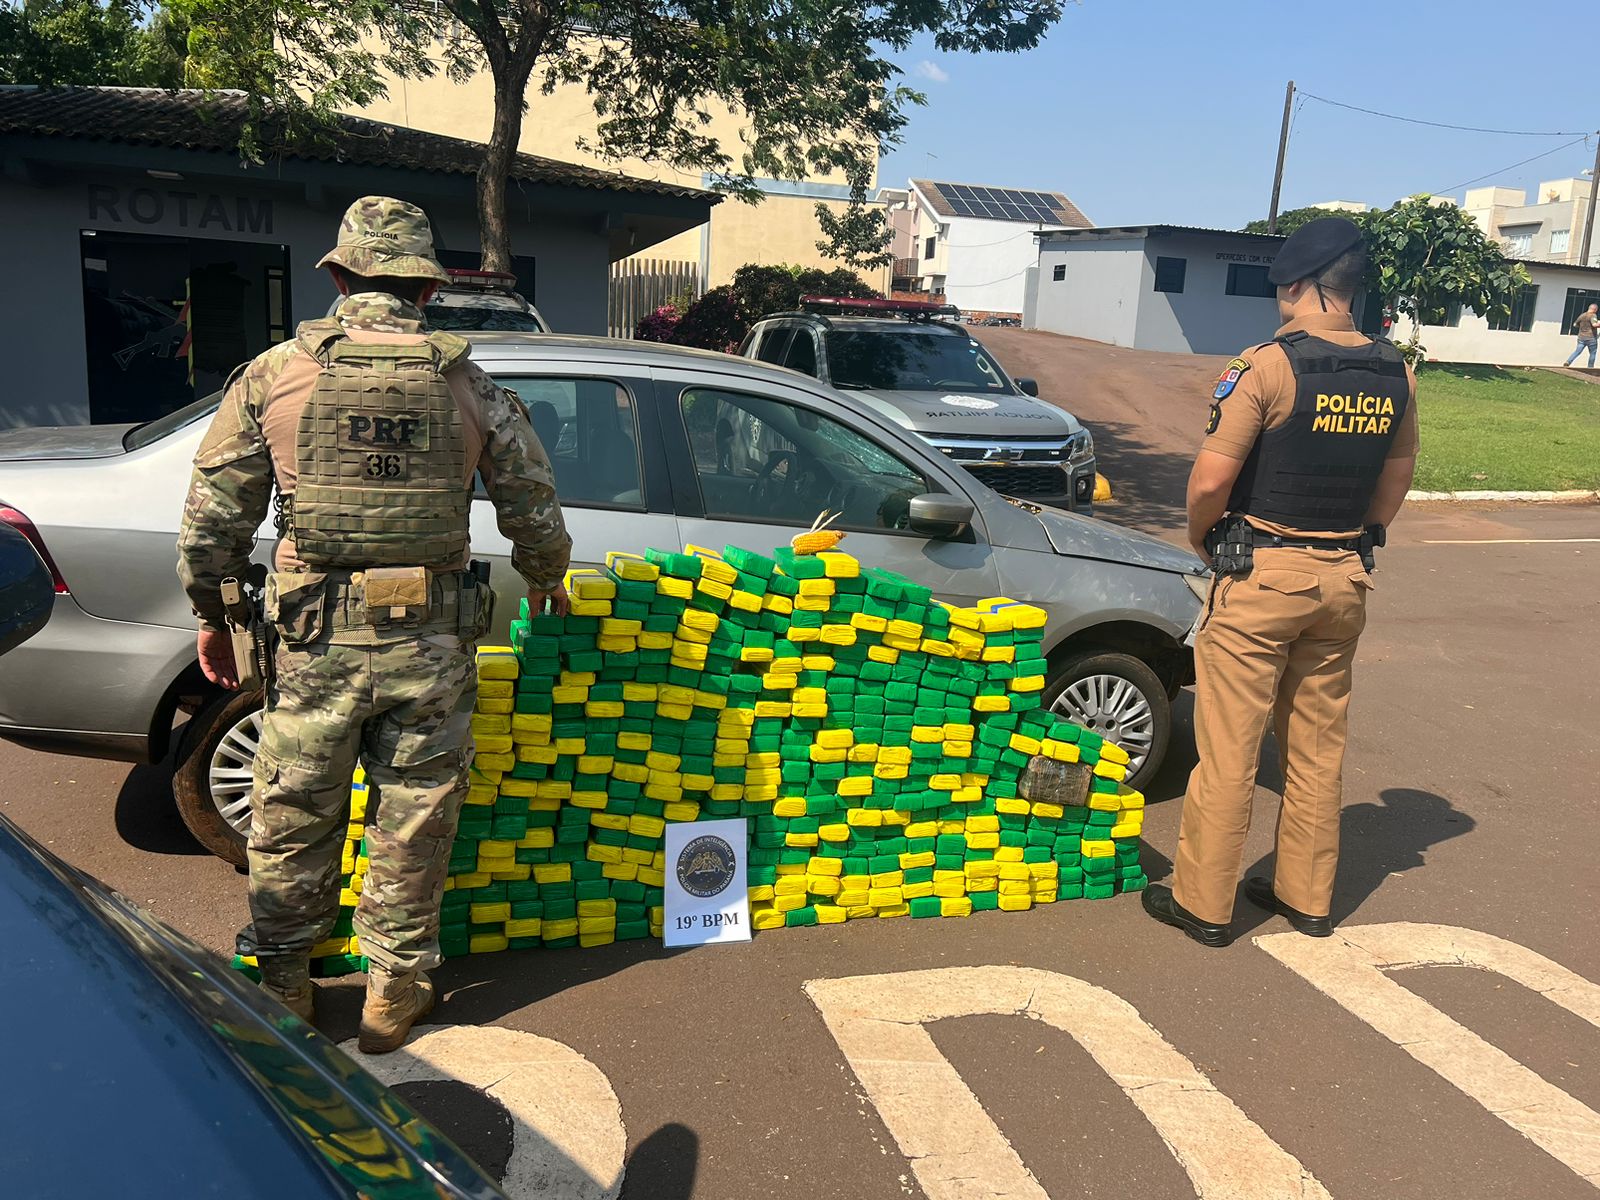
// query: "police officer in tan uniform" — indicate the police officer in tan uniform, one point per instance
point(1309, 452)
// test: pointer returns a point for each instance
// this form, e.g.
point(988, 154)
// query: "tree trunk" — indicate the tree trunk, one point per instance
point(493, 226)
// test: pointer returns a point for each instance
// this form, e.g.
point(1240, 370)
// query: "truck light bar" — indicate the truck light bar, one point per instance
point(462, 277)
point(916, 310)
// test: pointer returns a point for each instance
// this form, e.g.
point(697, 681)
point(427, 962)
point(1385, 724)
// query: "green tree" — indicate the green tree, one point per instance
point(1426, 256)
point(761, 290)
point(55, 43)
point(1289, 221)
point(810, 78)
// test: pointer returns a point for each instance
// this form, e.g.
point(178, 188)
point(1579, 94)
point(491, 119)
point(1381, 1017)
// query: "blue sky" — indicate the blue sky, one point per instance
point(1158, 111)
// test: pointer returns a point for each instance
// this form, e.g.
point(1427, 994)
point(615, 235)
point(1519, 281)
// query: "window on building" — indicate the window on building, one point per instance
point(1519, 242)
point(1244, 280)
point(927, 247)
point(1521, 318)
point(1578, 299)
point(1452, 314)
point(1559, 240)
point(1169, 273)
point(1058, 272)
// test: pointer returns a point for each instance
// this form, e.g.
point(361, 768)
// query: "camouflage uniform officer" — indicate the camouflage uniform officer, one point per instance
point(1310, 449)
point(372, 431)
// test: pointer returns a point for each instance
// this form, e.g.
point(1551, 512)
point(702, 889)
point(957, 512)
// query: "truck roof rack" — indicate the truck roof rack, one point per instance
point(912, 310)
point(488, 280)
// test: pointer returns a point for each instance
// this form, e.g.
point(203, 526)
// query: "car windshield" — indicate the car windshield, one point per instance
point(903, 358)
point(153, 431)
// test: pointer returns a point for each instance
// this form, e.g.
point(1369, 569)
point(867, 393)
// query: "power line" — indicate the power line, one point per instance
point(1513, 166)
point(1372, 112)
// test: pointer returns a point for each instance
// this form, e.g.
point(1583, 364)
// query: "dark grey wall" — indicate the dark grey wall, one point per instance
point(41, 302)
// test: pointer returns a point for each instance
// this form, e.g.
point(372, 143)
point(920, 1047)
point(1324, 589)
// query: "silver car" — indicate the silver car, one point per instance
point(653, 446)
point(936, 380)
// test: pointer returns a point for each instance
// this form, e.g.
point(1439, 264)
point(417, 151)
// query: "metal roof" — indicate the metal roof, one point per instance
point(1105, 231)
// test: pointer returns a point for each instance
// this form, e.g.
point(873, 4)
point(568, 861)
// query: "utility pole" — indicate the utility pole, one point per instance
point(1283, 146)
point(1594, 186)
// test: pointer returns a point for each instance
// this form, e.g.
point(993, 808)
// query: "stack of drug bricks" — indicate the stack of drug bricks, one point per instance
point(889, 752)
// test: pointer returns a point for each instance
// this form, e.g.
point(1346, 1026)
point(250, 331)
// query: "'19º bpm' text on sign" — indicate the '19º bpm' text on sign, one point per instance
point(706, 896)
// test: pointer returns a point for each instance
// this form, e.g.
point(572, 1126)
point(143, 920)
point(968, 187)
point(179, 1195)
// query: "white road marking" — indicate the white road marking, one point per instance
point(955, 1148)
point(1349, 967)
point(1504, 541)
point(567, 1133)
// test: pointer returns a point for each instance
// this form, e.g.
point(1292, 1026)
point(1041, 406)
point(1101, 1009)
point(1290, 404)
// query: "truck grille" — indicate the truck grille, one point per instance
point(1022, 481)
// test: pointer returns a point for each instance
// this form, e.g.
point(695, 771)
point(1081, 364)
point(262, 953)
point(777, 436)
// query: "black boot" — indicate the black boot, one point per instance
point(1259, 892)
point(1160, 904)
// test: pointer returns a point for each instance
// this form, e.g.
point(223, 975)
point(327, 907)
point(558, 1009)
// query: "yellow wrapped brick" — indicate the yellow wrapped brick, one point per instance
point(1129, 797)
point(651, 876)
point(645, 825)
point(957, 749)
point(1127, 829)
point(497, 662)
point(884, 897)
point(496, 848)
point(830, 914)
point(466, 879)
point(927, 733)
point(950, 887)
point(1011, 804)
point(766, 918)
point(922, 829)
point(331, 946)
point(511, 872)
point(789, 806)
point(487, 943)
point(537, 838)
point(1008, 854)
point(1015, 903)
point(631, 566)
point(787, 903)
point(800, 841)
point(762, 892)
point(552, 872)
point(883, 879)
point(838, 832)
point(632, 857)
point(894, 816)
point(602, 937)
point(1045, 893)
point(597, 908)
point(825, 866)
point(867, 818)
point(955, 906)
point(915, 891)
point(882, 654)
point(944, 782)
point(983, 885)
point(981, 870)
point(898, 910)
point(982, 840)
point(834, 634)
point(590, 800)
point(991, 704)
point(1098, 848)
point(564, 928)
point(595, 852)
point(496, 689)
point(521, 789)
point(790, 885)
point(490, 724)
point(631, 772)
point(1043, 808)
point(1104, 803)
point(823, 885)
point(855, 785)
point(853, 897)
point(1113, 753)
point(1110, 770)
point(886, 770)
point(816, 604)
point(823, 754)
point(838, 565)
point(523, 927)
point(910, 862)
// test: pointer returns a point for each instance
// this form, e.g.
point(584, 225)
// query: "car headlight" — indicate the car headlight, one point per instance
point(1080, 447)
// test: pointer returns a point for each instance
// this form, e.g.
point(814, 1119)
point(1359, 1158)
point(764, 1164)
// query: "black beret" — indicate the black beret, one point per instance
point(1313, 246)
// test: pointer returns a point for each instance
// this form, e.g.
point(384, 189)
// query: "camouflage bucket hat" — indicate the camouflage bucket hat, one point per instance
point(380, 235)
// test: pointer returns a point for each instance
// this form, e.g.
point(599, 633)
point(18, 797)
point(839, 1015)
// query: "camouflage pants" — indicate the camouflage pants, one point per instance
point(405, 708)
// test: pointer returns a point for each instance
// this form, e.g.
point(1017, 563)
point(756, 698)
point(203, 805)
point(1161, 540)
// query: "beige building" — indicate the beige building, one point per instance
point(1548, 227)
point(782, 228)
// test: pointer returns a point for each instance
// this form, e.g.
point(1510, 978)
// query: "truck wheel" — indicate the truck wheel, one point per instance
point(1122, 699)
point(212, 781)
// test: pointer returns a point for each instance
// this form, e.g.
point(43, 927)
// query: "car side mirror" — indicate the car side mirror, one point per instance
point(939, 516)
point(1028, 387)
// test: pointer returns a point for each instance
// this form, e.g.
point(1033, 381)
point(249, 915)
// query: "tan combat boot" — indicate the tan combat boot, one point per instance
point(289, 983)
point(395, 1001)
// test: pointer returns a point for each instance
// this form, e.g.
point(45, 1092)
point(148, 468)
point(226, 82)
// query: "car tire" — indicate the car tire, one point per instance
point(1119, 697)
point(218, 745)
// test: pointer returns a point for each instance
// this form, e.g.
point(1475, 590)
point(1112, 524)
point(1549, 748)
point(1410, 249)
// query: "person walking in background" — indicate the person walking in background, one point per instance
point(1585, 327)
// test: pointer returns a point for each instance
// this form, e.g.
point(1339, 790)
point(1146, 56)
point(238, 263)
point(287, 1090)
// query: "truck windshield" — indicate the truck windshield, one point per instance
point(903, 358)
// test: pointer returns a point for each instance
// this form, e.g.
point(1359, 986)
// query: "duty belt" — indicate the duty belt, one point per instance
point(346, 599)
point(1263, 538)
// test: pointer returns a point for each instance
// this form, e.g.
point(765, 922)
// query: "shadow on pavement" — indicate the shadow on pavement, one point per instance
point(1376, 841)
point(1148, 482)
point(663, 1166)
point(146, 816)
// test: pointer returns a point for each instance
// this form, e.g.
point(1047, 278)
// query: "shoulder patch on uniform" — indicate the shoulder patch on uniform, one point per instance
point(1215, 420)
point(1229, 378)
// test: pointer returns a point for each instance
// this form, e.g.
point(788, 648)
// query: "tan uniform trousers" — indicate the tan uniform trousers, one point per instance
point(1277, 644)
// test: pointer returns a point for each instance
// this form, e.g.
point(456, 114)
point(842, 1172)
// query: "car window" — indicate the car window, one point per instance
point(773, 340)
point(590, 431)
point(802, 354)
point(458, 317)
point(767, 461)
point(153, 431)
point(903, 358)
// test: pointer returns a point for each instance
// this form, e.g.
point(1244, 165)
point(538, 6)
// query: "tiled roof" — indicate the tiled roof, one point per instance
point(1065, 211)
point(199, 120)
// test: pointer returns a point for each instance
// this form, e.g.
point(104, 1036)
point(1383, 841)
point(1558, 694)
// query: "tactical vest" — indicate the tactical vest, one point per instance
point(380, 454)
point(1317, 471)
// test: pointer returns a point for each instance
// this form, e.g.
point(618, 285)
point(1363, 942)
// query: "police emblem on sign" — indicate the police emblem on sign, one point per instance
point(705, 866)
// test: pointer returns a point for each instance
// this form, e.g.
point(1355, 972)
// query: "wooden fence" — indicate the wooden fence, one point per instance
point(639, 286)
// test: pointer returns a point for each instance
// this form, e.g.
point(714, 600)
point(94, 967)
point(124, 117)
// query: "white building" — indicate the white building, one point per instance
point(1538, 332)
point(1550, 229)
point(974, 246)
point(1156, 287)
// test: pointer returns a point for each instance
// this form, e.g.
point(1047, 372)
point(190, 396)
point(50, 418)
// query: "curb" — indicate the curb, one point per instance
point(1581, 496)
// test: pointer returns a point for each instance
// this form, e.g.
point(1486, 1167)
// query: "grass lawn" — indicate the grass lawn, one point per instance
point(1508, 429)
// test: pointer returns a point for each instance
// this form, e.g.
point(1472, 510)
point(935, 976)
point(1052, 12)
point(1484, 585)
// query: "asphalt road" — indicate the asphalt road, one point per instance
point(1469, 805)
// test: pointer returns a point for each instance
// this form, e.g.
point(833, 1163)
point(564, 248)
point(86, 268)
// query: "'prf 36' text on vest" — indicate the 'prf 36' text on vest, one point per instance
point(1318, 469)
point(380, 455)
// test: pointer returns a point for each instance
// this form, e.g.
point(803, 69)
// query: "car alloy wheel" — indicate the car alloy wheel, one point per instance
point(230, 772)
point(1115, 709)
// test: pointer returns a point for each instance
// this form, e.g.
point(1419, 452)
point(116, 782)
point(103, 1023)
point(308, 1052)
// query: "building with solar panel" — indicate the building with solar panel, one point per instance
point(974, 246)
